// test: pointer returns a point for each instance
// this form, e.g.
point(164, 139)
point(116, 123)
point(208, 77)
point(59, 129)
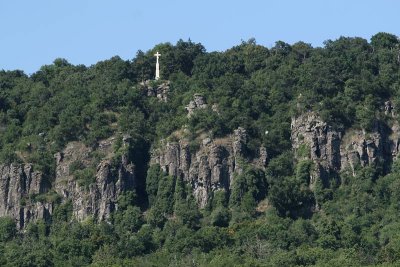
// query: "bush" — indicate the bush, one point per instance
point(8, 229)
point(85, 177)
point(49, 197)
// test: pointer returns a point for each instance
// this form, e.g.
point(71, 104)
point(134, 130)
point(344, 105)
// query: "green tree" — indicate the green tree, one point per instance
point(384, 40)
point(154, 175)
point(8, 229)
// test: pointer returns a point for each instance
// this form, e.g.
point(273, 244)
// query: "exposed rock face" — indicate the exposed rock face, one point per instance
point(239, 140)
point(160, 91)
point(389, 109)
point(99, 199)
point(197, 103)
point(314, 139)
point(19, 184)
point(262, 160)
point(212, 167)
point(333, 151)
point(361, 149)
point(394, 141)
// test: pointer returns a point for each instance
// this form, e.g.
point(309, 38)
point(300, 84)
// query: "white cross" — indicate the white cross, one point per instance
point(157, 66)
point(157, 55)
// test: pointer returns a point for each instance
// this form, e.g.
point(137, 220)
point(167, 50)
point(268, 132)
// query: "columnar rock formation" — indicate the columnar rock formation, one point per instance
point(314, 139)
point(334, 151)
point(17, 184)
point(99, 198)
point(212, 167)
point(206, 164)
point(24, 193)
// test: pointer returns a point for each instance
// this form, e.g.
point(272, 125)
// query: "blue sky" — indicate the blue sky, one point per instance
point(34, 33)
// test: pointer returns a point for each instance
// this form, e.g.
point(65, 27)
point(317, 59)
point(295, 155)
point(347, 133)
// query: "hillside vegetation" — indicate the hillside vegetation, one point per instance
point(271, 217)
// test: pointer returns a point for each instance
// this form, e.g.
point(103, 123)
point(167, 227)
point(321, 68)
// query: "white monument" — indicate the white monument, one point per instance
point(157, 66)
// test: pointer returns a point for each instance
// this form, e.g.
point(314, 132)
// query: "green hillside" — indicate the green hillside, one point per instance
point(272, 216)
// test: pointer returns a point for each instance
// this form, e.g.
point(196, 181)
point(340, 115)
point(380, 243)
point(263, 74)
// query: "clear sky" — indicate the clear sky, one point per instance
point(34, 33)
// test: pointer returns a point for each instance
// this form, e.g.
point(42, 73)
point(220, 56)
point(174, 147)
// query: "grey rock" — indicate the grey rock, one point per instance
point(100, 199)
point(262, 158)
point(389, 108)
point(161, 91)
point(19, 184)
point(310, 132)
point(215, 108)
point(198, 102)
point(212, 167)
point(334, 151)
point(206, 141)
point(239, 140)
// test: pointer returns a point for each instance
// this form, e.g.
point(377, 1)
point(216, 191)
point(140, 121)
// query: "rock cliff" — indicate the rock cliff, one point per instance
point(211, 167)
point(314, 139)
point(18, 184)
point(93, 179)
point(111, 178)
point(27, 195)
point(333, 151)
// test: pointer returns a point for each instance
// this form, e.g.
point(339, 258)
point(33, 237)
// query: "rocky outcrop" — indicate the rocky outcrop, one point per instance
point(389, 109)
point(111, 179)
point(359, 149)
point(211, 167)
point(18, 186)
point(27, 195)
point(198, 102)
point(333, 151)
point(262, 160)
point(160, 91)
point(206, 164)
point(314, 139)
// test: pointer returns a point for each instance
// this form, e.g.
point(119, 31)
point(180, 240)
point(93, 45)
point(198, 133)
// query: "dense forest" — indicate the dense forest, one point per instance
point(271, 216)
